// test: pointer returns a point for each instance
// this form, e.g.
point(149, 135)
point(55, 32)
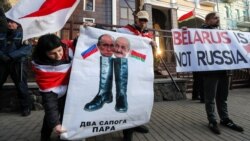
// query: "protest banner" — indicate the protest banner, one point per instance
point(208, 50)
point(97, 82)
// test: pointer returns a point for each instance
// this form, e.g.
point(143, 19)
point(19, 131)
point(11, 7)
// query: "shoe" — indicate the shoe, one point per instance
point(230, 124)
point(214, 127)
point(26, 113)
point(141, 129)
point(98, 102)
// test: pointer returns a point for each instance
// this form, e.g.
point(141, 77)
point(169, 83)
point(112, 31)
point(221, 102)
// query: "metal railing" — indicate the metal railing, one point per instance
point(240, 78)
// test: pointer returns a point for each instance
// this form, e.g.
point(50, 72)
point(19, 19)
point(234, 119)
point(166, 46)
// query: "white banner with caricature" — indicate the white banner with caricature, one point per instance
point(207, 50)
point(111, 84)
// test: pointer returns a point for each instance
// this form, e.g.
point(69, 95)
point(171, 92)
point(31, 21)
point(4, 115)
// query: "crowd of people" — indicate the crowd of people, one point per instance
point(51, 53)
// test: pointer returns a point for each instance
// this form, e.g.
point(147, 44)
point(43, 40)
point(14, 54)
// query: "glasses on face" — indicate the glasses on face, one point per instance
point(143, 20)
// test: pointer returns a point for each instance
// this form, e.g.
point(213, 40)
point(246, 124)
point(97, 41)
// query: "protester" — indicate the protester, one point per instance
point(13, 60)
point(138, 29)
point(216, 87)
point(51, 64)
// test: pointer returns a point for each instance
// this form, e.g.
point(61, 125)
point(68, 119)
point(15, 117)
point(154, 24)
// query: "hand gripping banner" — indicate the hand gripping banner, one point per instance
point(111, 84)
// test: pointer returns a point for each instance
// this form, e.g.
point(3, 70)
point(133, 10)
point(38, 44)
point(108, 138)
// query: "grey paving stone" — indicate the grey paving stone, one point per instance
point(183, 120)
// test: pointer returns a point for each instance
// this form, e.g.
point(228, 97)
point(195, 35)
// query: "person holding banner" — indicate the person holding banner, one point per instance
point(216, 88)
point(138, 29)
point(51, 65)
point(13, 59)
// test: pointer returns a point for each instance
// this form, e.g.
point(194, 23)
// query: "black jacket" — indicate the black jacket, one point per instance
point(11, 45)
point(53, 106)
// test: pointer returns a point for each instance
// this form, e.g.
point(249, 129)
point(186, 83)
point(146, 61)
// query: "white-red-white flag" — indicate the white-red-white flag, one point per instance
point(39, 17)
point(52, 78)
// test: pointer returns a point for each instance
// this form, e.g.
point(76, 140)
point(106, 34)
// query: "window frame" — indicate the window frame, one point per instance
point(85, 6)
point(89, 20)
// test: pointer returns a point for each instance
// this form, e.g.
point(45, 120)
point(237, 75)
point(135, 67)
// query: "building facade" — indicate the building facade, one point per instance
point(234, 14)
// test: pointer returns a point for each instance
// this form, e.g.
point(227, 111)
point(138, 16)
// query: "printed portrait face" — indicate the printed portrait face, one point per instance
point(122, 47)
point(106, 45)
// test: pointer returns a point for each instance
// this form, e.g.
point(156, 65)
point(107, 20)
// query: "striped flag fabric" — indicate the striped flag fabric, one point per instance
point(52, 78)
point(39, 17)
point(138, 56)
point(187, 16)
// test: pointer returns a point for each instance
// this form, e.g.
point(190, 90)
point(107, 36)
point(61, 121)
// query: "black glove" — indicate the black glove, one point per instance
point(3, 21)
point(5, 58)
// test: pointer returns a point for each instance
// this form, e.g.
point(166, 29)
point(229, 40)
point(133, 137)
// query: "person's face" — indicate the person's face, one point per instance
point(142, 23)
point(55, 54)
point(12, 25)
point(215, 21)
point(121, 48)
point(106, 46)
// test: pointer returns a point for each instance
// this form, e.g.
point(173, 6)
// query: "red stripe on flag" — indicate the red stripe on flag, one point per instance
point(186, 16)
point(137, 54)
point(51, 6)
point(46, 80)
point(247, 48)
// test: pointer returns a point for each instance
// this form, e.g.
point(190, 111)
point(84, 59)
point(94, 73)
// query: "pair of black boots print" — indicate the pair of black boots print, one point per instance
point(105, 87)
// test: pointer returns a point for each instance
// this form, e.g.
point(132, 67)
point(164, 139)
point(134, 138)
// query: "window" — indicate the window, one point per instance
point(126, 13)
point(238, 14)
point(89, 5)
point(227, 12)
point(89, 20)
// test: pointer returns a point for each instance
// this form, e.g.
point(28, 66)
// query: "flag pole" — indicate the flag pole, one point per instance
point(195, 19)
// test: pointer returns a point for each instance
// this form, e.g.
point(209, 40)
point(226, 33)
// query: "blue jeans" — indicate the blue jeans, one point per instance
point(18, 74)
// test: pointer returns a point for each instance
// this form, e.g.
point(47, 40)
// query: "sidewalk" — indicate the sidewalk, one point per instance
point(170, 121)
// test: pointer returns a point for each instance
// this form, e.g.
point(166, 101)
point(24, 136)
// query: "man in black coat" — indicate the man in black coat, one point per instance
point(216, 88)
